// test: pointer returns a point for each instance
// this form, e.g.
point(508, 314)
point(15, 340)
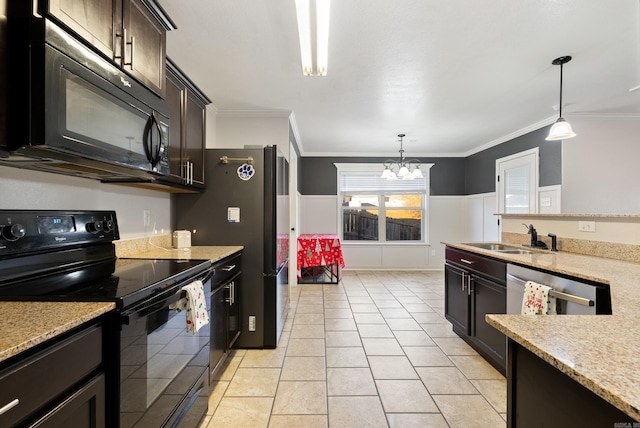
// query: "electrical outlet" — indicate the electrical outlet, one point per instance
point(252, 323)
point(146, 218)
point(587, 226)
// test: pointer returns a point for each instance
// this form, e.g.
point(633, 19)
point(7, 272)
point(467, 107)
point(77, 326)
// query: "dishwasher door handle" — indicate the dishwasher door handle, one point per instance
point(554, 293)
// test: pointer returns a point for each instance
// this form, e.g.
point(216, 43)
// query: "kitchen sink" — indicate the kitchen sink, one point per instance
point(515, 251)
point(490, 246)
point(501, 248)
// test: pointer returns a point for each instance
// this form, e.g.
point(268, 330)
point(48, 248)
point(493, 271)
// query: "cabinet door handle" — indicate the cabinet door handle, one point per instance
point(4, 409)
point(470, 288)
point(464, 285)
point(232, 290)
point(132, 44)
point(229, 268)
point(469, 262)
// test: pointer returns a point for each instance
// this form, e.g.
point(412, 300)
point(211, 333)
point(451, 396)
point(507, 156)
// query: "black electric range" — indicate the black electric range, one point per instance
point(70, 256)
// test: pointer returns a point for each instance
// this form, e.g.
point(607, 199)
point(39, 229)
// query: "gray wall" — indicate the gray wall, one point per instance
point(449, 176)
point(318, 174)
point(480, 167)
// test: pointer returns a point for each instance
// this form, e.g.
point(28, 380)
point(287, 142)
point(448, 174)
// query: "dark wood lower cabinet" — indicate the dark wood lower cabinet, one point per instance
point(225, 317)
point(61, 383)
point(474, 287)
point(85, 408)
point(539, 394)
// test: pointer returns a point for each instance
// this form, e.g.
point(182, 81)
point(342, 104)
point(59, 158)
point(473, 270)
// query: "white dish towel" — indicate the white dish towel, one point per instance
point(537, 301)
point(195, 306)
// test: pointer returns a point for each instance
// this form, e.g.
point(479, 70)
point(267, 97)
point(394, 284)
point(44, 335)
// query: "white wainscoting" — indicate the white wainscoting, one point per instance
point(549, 199)
point(451, 219)
point(480, 222)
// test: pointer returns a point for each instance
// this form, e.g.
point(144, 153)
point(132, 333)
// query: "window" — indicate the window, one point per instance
point(376, 209)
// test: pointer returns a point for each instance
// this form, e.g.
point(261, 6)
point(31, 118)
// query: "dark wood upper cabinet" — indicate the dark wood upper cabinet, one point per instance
point(187, 133)
point(132, 33)
point(94, 21)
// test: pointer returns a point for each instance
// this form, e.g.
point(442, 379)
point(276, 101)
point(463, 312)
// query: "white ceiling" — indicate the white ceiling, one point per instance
point(454, 75)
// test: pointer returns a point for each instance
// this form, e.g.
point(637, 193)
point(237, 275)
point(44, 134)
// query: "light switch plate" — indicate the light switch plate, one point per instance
point(587, 226)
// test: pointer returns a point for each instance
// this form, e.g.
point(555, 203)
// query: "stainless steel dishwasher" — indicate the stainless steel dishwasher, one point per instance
point(573, 296)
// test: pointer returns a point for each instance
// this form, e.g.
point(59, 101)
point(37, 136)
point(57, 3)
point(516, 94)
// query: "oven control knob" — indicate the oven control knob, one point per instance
point(107, 226)
point(94, 227)
point(13, 232)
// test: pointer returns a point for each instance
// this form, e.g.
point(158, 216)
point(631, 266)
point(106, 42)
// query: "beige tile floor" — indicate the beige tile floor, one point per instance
point(372, 351)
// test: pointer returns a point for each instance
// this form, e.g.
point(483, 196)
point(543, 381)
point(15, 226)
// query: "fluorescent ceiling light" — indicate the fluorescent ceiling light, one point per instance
point(304, 33)
point(322, 35)
point(303, 11)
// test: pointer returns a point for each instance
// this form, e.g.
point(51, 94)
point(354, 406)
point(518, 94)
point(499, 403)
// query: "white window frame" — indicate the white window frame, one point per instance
point(377, 168)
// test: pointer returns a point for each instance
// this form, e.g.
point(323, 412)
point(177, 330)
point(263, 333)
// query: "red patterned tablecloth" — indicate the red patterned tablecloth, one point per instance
point(319, 250)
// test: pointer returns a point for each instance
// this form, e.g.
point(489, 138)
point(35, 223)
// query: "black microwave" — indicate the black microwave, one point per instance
point(84, 116)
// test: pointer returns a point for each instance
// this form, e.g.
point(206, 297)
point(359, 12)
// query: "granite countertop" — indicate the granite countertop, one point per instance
point(598, 351)
point(213, 253)
point(49, 319)
point(27, 324)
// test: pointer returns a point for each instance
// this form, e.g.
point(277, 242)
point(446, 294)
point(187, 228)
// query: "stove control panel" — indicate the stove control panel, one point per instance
point(23, 231)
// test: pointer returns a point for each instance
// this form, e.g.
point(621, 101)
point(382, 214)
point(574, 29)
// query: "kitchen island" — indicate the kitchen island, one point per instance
point(598, 352)
point(55, 363)
point(28, 324)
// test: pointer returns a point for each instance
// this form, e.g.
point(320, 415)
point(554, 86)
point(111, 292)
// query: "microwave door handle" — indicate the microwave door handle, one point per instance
point(156, 156)
point(146, 141)
point(153, 154)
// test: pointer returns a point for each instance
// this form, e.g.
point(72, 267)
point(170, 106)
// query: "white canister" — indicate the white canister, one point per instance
point(181, 239)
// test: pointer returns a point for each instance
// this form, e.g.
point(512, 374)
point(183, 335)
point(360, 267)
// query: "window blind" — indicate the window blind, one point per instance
point(365, 182)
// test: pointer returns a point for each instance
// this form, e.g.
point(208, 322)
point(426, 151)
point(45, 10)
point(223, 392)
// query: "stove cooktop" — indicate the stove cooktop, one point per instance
point(123, 281)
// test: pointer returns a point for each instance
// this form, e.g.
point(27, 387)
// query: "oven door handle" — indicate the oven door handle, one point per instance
point(149, 308)
point(160, 302)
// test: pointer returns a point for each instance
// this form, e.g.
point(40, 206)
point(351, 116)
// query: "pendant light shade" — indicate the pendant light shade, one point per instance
point(561, 129)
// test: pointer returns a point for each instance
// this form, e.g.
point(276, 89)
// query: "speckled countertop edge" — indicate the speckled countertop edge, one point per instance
point(586, 349)
point(27, 324)
point(213, 253)
point(600, 352)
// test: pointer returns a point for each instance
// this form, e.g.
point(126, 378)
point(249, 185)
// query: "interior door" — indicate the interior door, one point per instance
point(517, 183)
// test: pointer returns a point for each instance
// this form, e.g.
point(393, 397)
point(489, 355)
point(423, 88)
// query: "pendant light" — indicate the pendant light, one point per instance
point(561, 129)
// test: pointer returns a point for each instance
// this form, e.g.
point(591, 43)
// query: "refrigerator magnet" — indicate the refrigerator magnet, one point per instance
point(246, 171)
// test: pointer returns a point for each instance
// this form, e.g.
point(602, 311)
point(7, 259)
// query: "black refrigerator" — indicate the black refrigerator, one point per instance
point(246, 202)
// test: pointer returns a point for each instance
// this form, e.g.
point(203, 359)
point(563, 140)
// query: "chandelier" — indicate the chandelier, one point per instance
point(407, 169)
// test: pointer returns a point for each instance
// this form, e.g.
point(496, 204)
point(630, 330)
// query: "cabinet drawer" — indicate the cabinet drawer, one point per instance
point(483, 265)
point(43, 377)
point(224, 270)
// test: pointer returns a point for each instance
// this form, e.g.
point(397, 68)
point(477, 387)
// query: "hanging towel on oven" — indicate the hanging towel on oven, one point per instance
point(195, 306)
point(537, 301)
